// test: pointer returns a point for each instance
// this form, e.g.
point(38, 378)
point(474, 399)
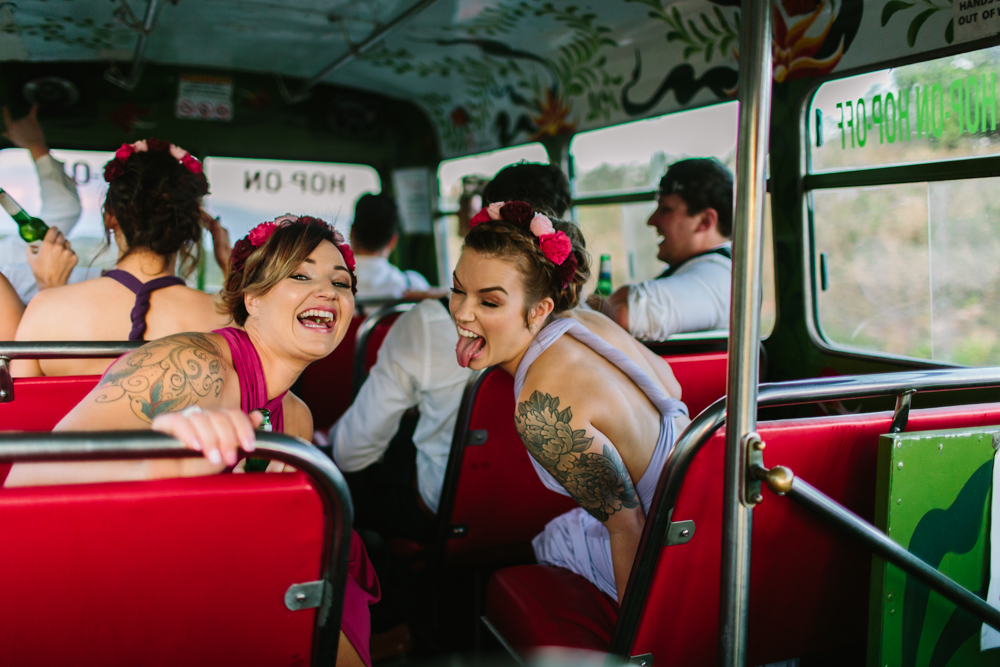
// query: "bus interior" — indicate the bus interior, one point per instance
point(877, 238)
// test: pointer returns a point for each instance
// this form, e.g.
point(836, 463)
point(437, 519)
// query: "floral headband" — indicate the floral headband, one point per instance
point(116, 166)
point(555, 245)
point(259, 235)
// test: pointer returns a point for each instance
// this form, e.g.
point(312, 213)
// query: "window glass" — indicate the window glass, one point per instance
point(911, 269)
point(620, 230)
point(935, 110)
point(634, 156)
point(19, 178)
point(486, 166)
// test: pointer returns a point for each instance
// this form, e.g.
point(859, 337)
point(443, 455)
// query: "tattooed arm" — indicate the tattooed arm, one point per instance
point(589, 467)
point(163, 376)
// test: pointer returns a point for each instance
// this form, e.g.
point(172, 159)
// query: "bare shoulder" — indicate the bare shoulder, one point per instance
point(298, 418)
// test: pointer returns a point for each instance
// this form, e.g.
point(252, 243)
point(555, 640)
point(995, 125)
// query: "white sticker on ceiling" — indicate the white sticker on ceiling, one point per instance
point(205, 97)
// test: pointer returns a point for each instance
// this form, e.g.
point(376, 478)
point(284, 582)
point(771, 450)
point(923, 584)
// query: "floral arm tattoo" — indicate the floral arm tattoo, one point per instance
point(599, 482)
point(165, 375)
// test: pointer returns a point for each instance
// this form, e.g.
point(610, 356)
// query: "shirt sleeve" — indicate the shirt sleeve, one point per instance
point(416, 281)
point(693, 300)
point(363, 434)
point(60, 200)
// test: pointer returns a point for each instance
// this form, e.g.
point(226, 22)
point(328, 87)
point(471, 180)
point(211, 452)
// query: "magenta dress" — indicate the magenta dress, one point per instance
point(362, 584)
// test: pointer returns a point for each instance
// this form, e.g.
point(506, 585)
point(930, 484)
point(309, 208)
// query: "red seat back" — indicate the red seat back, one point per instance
point(165, 573)
point(327, 385)
point(702, 377)
point(40, 403)
point(808, 582)
point(375, 338)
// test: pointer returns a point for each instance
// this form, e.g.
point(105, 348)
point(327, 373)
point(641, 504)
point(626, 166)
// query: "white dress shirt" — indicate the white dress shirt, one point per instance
point(416, 367)
point(60, 209)
point(380, 279)
point(695, 298)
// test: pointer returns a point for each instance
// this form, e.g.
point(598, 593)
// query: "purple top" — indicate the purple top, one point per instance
point(253, 385)
point(142, 291)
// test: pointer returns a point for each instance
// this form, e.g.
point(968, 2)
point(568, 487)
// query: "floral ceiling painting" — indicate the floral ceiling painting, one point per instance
point(495, 73)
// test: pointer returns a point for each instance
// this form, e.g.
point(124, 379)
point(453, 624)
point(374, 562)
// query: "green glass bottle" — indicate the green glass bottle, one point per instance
point(31, 229)
point(255, 464)
point(604, 277)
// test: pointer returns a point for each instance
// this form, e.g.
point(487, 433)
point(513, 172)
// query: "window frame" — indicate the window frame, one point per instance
point(922, 172)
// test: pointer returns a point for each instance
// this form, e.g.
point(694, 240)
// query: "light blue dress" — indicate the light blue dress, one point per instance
point(576, 540)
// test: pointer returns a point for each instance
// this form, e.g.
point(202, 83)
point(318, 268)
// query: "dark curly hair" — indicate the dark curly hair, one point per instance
point(272, 262)
point(376, 221)
point(544, 186)
point(157, 203)
point(702, 183)
point(541, 278)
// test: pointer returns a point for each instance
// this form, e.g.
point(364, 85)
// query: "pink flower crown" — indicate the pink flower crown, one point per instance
point(116, 165)
point(555, 245)
point(259, 235)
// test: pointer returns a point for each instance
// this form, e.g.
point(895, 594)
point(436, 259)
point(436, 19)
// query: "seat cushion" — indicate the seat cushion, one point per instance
point(542, 605)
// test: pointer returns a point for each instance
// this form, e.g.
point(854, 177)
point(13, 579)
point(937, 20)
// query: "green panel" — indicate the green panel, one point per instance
point(933, 497)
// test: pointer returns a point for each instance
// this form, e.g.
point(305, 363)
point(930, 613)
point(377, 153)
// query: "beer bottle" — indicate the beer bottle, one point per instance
point(254, 464)
point(604, 276)
point(31, 229)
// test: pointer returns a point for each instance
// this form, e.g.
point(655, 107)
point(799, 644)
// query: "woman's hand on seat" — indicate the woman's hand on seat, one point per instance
point(218, 434)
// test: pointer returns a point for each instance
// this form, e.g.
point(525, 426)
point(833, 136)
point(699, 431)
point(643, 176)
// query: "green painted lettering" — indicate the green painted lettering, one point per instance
point(956, 92)
point(989, 94)
point(973, 100)
point(923, 116)
point(862, 117)
point(843, 141)
point(903, 100)
point(937, 110)
point(877, 117)
point(891, 118)
point(850, 119)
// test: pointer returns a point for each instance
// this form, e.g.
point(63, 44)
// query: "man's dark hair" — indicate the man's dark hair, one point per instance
point(376, 221)
point(702, 183)
point(544, 186)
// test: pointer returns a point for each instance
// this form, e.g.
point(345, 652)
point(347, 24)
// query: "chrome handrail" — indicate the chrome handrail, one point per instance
point(10, 350)
point(329, 483)
point(364, 333)
point(704, 426)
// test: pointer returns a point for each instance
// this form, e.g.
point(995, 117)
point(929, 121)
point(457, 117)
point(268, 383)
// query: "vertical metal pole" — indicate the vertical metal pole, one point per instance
point(744, 326)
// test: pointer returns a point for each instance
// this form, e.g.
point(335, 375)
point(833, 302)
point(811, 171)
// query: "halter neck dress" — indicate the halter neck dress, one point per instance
point(142, 292)
point(576, 540)
point(362, 583)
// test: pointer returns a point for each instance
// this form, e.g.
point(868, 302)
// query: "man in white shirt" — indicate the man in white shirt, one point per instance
point(694, 217)
point(60, 210)
point(417, 367)
point(374, 234)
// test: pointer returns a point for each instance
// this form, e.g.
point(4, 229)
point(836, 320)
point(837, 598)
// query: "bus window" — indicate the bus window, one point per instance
point(631, 159)
point(245, 192)
point(18, 176)
point(634, 156)
point(450, 175)
point(905, 260)
point(936, 110)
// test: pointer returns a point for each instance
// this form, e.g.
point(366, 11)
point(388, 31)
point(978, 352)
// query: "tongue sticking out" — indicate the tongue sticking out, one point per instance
point(467, 348)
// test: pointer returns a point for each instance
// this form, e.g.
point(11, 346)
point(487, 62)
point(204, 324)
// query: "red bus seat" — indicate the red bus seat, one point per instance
point(185, 571)
point(793, 551)
point(41, 402)
point(370, 337)
point(326, 385)
point(702, 377)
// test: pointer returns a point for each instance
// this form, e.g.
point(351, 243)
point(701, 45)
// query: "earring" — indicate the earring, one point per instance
point(256, 318)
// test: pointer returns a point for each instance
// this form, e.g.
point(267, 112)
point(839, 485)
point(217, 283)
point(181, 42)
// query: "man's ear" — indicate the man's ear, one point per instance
point(707, 220)
point(392, 243)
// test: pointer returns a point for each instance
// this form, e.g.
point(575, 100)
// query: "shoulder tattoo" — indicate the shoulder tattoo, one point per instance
point(599, 482)
point(165, 375)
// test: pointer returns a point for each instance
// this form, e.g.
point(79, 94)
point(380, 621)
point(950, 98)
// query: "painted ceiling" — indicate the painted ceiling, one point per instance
point(489, 73)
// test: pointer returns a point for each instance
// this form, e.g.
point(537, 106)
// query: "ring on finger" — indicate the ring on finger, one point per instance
point(191, 410)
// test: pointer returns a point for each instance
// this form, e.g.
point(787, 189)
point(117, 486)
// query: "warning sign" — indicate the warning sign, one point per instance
point(976, 19)
point(205, 97)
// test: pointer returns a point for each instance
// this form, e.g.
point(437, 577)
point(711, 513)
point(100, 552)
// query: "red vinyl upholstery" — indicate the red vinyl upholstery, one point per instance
point(40, 403)
point(327, 385)
point(808, 583)
point(172, 572)
point(375, 338)
point(702, 377)
point(499, 498)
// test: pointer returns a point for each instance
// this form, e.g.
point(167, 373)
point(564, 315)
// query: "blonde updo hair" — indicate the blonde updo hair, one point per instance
point(540, 277)
point(255, 270)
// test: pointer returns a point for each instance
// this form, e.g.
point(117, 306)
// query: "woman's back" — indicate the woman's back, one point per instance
point(100, 310)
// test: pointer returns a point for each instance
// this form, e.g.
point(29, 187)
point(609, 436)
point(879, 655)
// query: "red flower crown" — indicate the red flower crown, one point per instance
point(556, 246)
point(259, 235)
point(116, 165)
